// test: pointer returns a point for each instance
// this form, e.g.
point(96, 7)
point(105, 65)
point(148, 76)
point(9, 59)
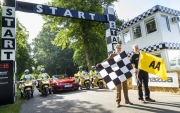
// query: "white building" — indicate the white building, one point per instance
point(156, 31)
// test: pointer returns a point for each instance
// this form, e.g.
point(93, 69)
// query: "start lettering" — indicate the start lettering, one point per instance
point(67, 13)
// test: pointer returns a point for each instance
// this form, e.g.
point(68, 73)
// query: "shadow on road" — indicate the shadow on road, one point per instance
point(84, 90)
point(157, 109)
point(55, 103)
point(101, 90)
point(175, 104)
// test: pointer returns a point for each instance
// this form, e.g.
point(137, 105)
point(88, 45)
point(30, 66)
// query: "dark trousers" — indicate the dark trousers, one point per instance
point(143, 79)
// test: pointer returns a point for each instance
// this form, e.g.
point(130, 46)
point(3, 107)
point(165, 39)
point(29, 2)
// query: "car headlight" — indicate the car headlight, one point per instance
point(58, 83)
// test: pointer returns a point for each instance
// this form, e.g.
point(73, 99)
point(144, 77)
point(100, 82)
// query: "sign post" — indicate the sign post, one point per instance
point(8, 47)
point(111, 32)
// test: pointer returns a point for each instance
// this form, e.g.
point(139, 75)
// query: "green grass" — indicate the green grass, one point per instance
point(13, 108)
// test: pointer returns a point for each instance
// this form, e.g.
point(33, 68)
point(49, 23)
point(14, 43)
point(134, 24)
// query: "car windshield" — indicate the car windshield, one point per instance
point(61, 76)
point(54, 78)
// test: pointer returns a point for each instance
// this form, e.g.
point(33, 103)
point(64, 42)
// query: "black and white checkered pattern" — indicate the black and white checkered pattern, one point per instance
point(147, 13)
point(156, 47)
point(111, 33)
point(116, 70)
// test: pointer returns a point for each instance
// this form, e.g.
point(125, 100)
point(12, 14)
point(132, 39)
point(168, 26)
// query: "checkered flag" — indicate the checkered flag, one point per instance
point(116, 70)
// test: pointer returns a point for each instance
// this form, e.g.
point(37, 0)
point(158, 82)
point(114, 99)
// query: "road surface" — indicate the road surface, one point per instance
point(99, 101)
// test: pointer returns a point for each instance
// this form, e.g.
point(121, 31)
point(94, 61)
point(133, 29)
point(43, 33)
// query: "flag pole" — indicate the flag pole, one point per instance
point(137, 75)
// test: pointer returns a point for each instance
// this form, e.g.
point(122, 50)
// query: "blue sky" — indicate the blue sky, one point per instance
point(126, 9)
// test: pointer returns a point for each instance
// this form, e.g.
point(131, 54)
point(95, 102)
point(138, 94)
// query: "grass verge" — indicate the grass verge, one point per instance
point(13, 108)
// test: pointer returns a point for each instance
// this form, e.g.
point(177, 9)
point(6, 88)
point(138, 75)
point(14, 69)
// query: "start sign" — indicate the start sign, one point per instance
point(8, 31)
point(8, 47)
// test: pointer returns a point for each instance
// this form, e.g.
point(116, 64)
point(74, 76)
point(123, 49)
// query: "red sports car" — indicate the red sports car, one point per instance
point(63, 82)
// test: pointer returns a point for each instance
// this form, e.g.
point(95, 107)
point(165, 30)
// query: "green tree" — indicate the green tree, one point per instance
point(53, 58)
point(23, 50)
point(90, 46)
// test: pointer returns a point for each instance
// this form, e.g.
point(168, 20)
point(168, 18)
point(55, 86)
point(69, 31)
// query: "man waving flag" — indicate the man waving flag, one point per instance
point(116, 70)
point(153, 65)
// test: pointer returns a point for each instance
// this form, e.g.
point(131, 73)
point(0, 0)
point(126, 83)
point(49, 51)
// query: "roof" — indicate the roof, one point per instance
point(148, 13)
point(159, 46)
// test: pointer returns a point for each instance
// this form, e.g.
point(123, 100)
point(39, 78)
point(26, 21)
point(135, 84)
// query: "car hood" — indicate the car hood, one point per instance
point(66, 80)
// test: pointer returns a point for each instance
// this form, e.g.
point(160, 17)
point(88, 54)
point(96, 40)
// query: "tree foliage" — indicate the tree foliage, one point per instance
point(90, 44)
point(53, 58)
point(23, 50)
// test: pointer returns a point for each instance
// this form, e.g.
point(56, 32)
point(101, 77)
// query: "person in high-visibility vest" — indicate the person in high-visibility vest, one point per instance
point(92, 72)
point(26, 75)
point(80, 71)
point(43, 74)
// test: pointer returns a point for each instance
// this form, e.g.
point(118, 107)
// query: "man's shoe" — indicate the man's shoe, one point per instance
point(150, 100)
point(142, 101)
point(129, 103)
point(118, 104)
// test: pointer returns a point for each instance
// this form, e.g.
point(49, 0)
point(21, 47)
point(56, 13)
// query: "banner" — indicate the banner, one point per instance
point(153, 65)
point(6, 82)
point(50, 10)
point(172, 80)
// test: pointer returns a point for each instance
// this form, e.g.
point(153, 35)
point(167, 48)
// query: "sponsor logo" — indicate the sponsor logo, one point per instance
point(4, 73)
point(3, 82)
point(157, 79)
point(3, 77)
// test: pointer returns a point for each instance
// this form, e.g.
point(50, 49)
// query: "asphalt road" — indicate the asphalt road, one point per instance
point(99, 101)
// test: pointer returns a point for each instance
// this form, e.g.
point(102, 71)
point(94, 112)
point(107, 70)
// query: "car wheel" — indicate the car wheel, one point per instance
point(77, 88)
point(54, 91)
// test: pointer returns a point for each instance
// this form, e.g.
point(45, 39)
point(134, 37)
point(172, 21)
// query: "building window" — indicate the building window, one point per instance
point(126, 36)
point(151, 26)
point(165, 23)
point(158, 55)
point(179, 62)
point(173, 62)
point(174, 59)
point(137, 32)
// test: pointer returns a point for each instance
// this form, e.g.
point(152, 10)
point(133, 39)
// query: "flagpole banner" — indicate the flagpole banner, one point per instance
point(116, 70)
point(153, 65)
point(55, 11)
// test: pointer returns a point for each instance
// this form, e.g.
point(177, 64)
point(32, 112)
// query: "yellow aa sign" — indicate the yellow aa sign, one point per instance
point(153, 65)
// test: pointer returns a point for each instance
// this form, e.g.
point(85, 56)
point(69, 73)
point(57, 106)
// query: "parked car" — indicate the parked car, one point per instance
point(63, 82)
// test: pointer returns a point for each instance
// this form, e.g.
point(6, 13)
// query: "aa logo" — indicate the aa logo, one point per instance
point(154, 65)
